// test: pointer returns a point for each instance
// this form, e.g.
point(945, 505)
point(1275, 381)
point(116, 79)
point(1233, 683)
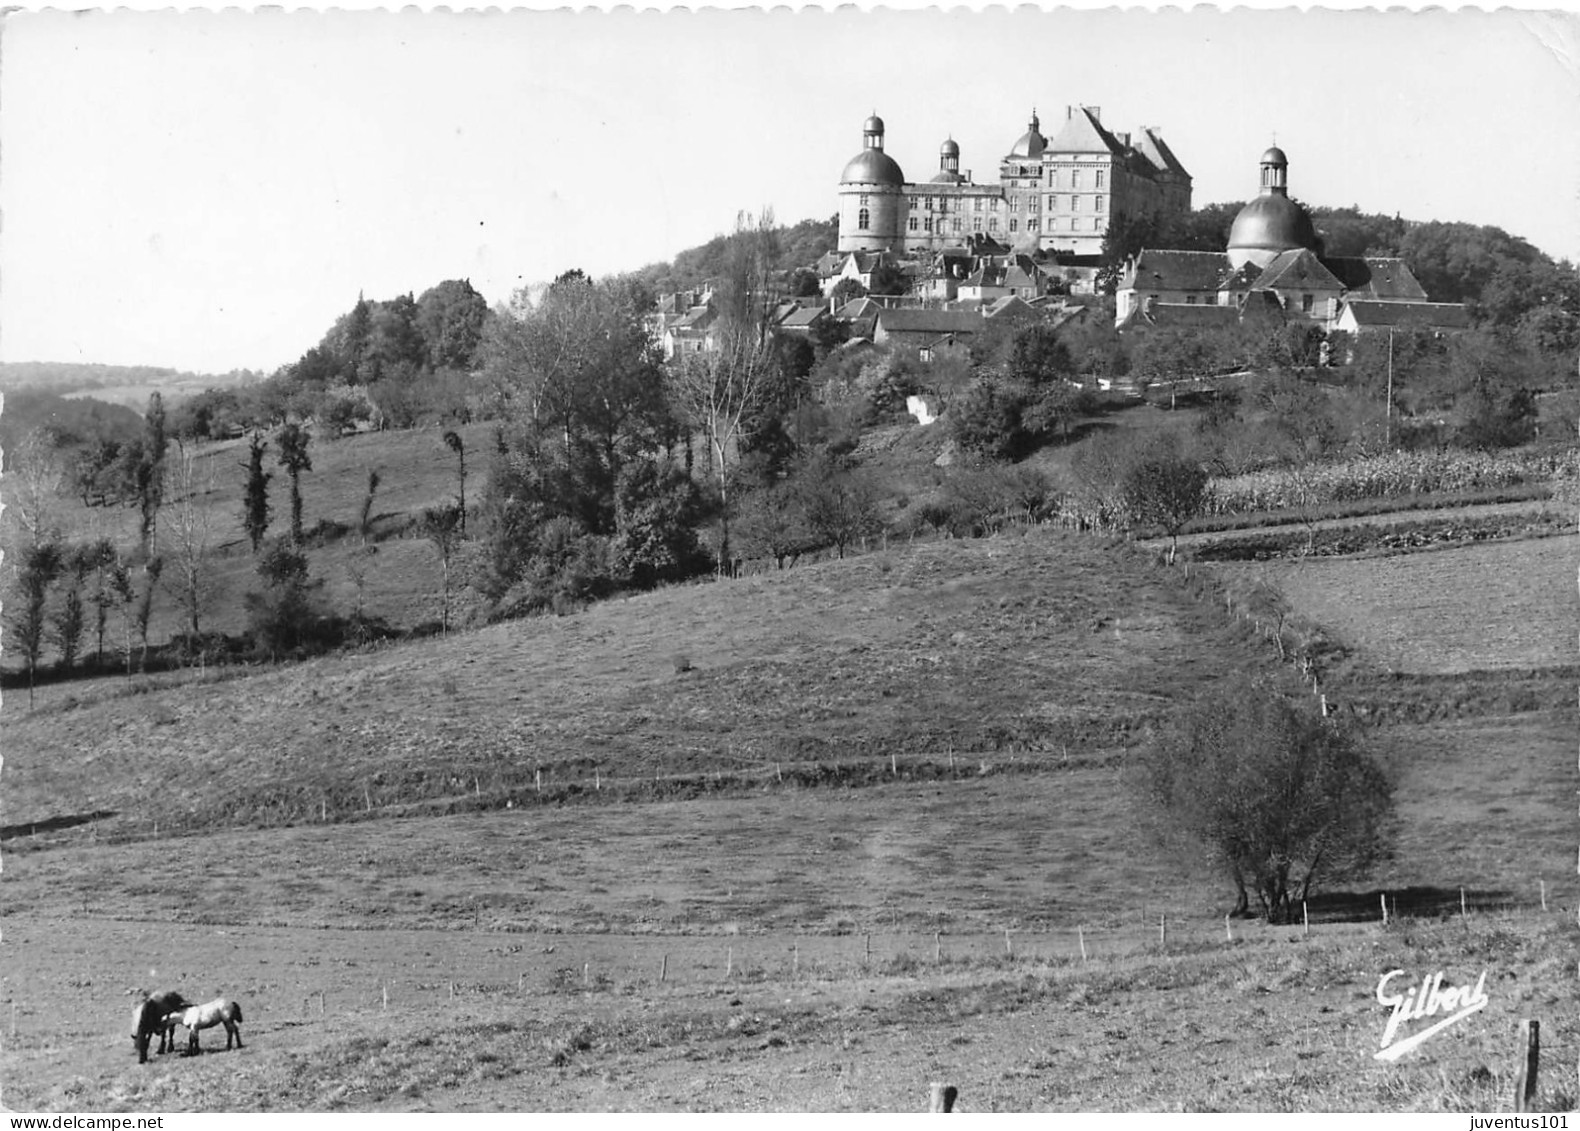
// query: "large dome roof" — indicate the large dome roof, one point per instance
point(1272, 222)
point(872, 166)
point(1029, 144)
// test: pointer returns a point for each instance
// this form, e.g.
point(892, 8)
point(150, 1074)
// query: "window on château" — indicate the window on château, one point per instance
point(1075, 204)
point(864, 200)
point(992, 223)
point(929, 225)
point(1031, 225)
point(976, 223)
point(1075, 178)
point(863, 218)
point(913, 224)
point(1099, 175)
point(957, 223)
point(1014, 224)
point(978, 204)
point(1099, 204)
point(1305, 304)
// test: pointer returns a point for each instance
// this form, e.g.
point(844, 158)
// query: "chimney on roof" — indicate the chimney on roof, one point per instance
point(1069, 112)
point(1124, 139)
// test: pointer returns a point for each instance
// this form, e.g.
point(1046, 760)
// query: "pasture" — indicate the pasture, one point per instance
point(416, 471)
point(859, 845)
point(1494, 605)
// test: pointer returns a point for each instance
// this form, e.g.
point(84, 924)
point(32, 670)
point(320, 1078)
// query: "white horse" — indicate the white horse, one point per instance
point(206, 1016)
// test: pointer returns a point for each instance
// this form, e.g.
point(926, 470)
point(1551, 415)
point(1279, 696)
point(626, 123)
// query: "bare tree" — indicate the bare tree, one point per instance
point(187, 485)
point(717, 391)
point(362, 557)
point(38, 475)
point(441, 526)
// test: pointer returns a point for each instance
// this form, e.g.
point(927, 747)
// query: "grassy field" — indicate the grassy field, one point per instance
point(777, 875)
point(416, 470)
point(1488, 606)
point(1040, 645)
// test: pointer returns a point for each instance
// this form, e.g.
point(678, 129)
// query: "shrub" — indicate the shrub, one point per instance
point(1276, 797)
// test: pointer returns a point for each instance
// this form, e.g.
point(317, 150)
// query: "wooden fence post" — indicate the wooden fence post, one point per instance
point(1080, 933)
point(663, 969)
point(1383, 898)
point(1305, 916)
point(1525, 1082)
point(1009, 949)
point(938, 946)
point(1228, 931)
point(1544, 893)
point(941, 1099)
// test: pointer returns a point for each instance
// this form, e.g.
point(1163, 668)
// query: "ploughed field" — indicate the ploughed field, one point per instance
point(860, 845)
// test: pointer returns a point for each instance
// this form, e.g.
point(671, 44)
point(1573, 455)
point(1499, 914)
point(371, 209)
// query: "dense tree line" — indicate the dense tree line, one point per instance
point(795, 247)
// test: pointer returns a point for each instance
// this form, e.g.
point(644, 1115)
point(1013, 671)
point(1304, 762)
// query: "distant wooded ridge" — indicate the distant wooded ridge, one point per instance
point(76, 376)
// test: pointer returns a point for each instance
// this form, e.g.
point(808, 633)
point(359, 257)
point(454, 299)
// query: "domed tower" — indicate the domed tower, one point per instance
point(871, 196)
point(1031, 143)
point(948, 165)
point(1272, 223)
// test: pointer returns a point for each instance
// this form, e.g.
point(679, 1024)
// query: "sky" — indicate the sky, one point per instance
point(211, 190)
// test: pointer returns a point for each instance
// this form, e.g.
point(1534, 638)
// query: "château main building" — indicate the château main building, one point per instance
point(1053, 194)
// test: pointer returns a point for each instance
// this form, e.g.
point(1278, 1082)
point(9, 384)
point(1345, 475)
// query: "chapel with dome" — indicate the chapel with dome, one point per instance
point(1056, 193)
point(1274, 267)
point(1271, 223)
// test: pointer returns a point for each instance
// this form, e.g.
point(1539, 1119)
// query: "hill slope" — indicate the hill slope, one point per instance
point(1042, 645)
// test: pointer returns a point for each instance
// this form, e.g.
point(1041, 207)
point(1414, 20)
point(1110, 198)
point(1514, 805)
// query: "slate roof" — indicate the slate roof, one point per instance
point(1081, 132)
point(1433, 315)
point(803, 318)
point(1012, 306)
point(1150, 144)
point(1176, 271)
point(1376, 277)
point(862, 307)
point(1297, 269)
point(916, 320)
point(696, 318)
